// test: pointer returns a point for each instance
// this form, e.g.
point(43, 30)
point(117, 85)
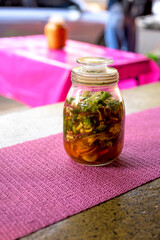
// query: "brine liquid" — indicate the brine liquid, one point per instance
point(96, 155)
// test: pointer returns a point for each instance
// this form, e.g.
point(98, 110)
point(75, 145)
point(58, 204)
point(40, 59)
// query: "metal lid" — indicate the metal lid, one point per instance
point(94, 71)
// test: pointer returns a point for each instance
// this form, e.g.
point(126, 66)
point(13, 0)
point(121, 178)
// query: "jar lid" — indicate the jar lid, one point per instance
point(94, 71)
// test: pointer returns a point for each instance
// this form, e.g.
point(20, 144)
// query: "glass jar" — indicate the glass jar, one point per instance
point(94, 115)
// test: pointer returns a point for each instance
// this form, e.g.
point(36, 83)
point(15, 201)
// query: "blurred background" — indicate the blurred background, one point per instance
point(85, 19)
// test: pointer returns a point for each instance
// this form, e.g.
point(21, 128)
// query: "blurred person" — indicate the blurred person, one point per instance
point(120, 29)
point(115, 34)
point(132, 10)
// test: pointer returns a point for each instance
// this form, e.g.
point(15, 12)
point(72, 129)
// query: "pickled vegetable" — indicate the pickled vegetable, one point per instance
point(93, 128)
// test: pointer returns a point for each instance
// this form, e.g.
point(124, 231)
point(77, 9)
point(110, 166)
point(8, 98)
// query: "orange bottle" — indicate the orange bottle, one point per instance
point(56, 33)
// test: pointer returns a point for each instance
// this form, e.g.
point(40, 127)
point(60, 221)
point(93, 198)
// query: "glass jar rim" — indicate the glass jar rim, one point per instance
point(94, 71)
point(94, 61)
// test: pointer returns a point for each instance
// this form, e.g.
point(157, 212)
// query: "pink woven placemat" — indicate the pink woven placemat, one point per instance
point(40, 184)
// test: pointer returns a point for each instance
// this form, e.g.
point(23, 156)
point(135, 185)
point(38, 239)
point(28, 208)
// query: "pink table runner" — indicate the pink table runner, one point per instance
point(40, 184)
point(32, 74)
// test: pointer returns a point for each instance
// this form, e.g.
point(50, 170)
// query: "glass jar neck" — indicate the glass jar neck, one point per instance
point(95, 87)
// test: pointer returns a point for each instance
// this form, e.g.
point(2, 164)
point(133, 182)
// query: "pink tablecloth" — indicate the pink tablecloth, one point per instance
point(32, 74)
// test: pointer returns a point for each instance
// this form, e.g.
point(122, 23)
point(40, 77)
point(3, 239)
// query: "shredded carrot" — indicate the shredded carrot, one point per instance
point(103, 152)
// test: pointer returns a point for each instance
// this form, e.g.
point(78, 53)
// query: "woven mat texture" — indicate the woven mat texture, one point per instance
point(41, 185)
